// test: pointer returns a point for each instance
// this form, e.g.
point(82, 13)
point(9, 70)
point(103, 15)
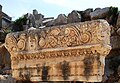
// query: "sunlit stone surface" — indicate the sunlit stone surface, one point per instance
point(71, 52)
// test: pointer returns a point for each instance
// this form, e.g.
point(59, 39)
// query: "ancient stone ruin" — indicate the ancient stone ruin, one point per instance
point(73, 47)
point(71, 52)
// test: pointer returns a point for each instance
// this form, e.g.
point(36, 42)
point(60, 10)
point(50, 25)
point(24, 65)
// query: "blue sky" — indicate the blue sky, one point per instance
point(51, 8)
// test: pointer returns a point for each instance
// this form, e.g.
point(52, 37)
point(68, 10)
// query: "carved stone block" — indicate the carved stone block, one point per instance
point(60, 53)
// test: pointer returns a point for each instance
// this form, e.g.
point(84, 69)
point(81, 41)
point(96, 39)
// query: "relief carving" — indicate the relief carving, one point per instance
point(42, 42)
point(32, 42)
point(21, 42)
point(67, 52)
point(69, 36)
point(11, 43)
point(85, 37)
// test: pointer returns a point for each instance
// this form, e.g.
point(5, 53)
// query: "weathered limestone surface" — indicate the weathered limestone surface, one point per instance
point(73, 17)
point(85, 15)
point(100, 13)
point(115, 42)
point(61, 19)
point(68, 52)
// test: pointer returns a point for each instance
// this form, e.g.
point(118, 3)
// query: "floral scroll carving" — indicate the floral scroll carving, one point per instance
point(85, 37)
point(21, 42)
point(60, 36)
point(67, 52)
point(11, 43)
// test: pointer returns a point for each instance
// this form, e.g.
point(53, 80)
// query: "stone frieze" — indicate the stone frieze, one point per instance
point(60, 53)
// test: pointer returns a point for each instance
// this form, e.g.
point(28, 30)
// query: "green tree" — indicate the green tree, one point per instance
point(18, 24)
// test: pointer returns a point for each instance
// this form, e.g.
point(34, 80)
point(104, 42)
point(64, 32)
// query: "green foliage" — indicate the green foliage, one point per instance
point(18, 24)
point(20, 21)
point(113, 10)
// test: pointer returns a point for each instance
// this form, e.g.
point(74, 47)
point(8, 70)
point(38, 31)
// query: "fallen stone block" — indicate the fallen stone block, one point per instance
point(71, 52)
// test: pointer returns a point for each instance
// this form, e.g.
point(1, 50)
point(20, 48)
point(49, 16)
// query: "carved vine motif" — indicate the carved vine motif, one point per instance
point(71, 35)
point(64, 37)
point(60, 36)
point(65, 70)
point(52, 41)
point(77, 43)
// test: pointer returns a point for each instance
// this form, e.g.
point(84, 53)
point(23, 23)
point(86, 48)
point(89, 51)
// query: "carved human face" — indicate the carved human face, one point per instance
point(32, 43)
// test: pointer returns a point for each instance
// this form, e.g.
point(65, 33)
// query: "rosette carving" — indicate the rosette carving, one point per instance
point(21, 42)
point(11, 43)
point(85, 37)
point(42, 42)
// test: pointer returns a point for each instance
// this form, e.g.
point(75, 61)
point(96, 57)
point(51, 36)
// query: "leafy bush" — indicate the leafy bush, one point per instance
point(18, 24)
